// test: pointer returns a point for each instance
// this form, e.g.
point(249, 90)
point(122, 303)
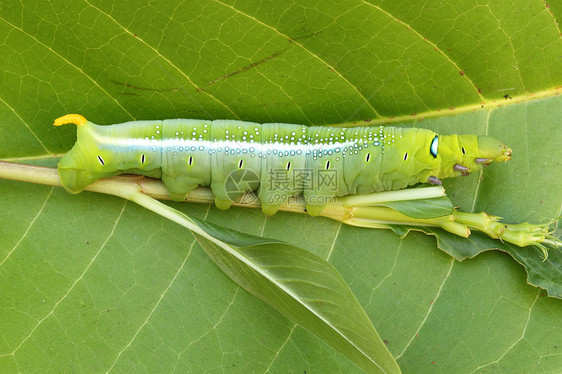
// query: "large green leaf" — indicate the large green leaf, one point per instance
point(89, 283)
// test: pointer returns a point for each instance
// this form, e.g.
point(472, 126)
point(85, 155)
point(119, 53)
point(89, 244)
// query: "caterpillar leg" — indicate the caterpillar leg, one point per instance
point(271, 200)
point(434, 180)
point(315, 209)
point(222, 204)
point(270, 210)
point(178, 186)
point(318, 198)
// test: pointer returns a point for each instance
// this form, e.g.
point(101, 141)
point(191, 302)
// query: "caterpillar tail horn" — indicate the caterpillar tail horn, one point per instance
point(77, 119)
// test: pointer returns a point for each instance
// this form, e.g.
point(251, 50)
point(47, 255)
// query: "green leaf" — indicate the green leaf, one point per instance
point(303, 287)
point(310, 292)
point(90, 283)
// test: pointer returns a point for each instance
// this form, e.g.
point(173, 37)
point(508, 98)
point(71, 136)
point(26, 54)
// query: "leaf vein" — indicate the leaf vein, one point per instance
point(51, 312)
point(69, 64)
point(430, 309)
point(429, 42)
point(29, 226)
point(168, 61)
point(314, 55)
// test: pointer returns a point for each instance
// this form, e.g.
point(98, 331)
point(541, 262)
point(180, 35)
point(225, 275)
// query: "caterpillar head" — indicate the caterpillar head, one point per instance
point(464, 154)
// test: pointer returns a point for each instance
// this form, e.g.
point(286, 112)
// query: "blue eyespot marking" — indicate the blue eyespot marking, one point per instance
point(434, 145)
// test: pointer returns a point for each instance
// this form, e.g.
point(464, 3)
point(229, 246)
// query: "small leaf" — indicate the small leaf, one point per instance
point(302, 286)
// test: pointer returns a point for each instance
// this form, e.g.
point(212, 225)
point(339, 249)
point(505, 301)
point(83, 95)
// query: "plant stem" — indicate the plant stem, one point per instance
point(388, 196)
point(351, 210)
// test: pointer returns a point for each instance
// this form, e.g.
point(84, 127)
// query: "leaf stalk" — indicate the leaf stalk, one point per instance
point(360, 210)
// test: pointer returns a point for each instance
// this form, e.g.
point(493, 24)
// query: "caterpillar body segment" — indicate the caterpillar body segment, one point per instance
point(275, 160)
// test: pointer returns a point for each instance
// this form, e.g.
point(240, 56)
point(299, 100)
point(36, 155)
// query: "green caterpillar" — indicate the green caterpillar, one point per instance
point(318, 162)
